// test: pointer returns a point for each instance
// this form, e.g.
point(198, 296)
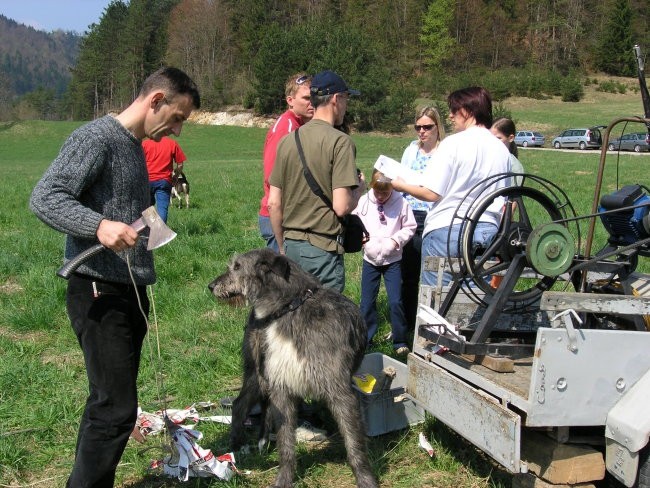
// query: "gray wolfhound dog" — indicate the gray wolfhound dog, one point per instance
point(301, 340)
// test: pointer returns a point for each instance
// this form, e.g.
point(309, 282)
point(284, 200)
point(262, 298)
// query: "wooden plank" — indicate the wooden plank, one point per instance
point(498, 364)
point(595, 303)
point(561, 463)
point(529, 480)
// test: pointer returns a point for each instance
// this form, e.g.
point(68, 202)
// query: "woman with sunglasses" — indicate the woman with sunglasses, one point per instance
point(417, 156)
point(460, 164)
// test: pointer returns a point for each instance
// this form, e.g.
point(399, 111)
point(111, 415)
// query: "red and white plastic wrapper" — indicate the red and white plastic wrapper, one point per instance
point(191, 460)
point(147, 424)
point(191, 414)
point(424, 444)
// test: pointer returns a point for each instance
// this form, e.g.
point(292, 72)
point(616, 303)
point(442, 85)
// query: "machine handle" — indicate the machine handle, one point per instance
point(68, 268)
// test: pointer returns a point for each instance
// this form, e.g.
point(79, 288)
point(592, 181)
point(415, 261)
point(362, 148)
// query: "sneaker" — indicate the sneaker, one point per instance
point(308, 433)
point(400, 351)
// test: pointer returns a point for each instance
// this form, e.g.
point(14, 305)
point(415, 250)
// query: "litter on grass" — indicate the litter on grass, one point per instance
point(188, 458)
point(424, 444)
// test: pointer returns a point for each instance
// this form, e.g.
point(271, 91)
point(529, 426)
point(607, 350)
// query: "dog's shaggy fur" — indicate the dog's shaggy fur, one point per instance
point(180, 187)
point(301, 340)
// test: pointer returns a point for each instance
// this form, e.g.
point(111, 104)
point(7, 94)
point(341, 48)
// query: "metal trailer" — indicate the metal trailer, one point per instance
point(580, 385)
point(509, 366)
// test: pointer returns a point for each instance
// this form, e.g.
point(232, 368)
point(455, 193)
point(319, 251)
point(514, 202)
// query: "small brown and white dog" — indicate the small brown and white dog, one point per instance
point(180, 187)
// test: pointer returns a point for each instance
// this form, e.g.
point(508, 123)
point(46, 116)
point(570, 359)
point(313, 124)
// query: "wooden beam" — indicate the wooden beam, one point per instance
point(561, 463)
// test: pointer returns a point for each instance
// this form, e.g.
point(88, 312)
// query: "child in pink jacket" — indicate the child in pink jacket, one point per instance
point(390, 222)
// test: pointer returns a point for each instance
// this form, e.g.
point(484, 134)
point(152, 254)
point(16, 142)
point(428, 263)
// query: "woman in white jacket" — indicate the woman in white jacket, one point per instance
point(390, 222)
point(417, 156)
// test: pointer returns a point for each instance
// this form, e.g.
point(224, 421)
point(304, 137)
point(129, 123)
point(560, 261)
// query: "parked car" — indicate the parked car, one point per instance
point(590, 138)
point(527, 138)
point(637, 142)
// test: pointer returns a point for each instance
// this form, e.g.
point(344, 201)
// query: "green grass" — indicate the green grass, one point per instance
point(42, 377)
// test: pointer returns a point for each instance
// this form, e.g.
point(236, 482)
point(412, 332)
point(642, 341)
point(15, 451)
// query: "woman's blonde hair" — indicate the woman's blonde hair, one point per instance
point(434, 115)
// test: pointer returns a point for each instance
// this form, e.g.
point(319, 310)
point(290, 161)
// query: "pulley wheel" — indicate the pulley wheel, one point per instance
point(550, 249)
point(522, 209)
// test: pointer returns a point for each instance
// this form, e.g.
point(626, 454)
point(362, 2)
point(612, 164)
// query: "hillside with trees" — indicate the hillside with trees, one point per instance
point(240, 51)
point(34, 64)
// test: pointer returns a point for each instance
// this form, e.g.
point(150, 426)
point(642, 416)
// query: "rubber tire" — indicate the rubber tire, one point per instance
point(611, 147)
point(582, 146)
point(637, 148)
point(525, 143)
point(557, 145)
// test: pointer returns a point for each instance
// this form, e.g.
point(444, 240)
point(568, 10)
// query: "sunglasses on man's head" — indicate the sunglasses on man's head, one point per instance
point(418, 128)
point(302, 79)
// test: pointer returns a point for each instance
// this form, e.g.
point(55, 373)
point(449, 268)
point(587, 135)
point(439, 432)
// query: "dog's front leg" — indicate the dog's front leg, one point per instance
point(266, 425)
point(248, 397)
point(283, 409)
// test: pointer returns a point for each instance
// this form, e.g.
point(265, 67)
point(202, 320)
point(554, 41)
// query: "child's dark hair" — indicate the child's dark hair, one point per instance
point(507, 128)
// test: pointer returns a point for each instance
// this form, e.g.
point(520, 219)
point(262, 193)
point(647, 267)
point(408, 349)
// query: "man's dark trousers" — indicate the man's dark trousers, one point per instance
point(110, 329)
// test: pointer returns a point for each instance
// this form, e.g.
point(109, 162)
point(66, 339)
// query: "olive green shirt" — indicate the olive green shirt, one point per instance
point(330, 156)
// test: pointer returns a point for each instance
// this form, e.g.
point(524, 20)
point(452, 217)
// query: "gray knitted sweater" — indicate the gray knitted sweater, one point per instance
point(100, 173)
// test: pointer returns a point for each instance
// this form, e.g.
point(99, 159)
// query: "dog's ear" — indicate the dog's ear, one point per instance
point(281, 267)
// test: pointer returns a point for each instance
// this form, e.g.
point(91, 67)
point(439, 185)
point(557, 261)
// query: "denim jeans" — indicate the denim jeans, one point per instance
point(161, 192)
point(328, 267)
point(110, 329)
point(370, 281)
point(435, 244)
point(266, 230)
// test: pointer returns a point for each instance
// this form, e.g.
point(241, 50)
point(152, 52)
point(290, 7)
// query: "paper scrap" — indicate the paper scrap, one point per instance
point(190, 459)
point(424, 444)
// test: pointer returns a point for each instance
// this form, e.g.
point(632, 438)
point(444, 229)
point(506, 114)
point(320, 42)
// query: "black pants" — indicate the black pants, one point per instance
point(110, 329)
point(411, 263)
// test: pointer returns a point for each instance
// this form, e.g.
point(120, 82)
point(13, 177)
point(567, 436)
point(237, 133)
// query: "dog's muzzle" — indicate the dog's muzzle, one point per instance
point(236, 299)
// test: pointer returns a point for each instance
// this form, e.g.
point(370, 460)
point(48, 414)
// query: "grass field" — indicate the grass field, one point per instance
point(42, 377)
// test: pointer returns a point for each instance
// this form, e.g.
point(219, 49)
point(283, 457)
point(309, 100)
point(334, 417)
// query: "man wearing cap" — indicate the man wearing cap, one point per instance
point(305, 228)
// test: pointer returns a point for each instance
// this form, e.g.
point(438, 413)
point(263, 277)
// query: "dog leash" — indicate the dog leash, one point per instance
point(293, 304)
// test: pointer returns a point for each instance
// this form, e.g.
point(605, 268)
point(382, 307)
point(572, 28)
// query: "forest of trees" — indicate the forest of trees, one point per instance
point(241, 51)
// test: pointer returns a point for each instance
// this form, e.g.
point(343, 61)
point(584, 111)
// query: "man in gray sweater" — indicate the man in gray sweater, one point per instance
point(92, 191)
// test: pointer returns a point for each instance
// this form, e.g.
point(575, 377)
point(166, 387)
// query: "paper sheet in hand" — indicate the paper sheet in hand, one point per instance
point(392, 169)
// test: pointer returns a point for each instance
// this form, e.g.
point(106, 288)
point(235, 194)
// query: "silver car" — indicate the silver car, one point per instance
point(527, 138)
point(580, 138)
point(637, 142)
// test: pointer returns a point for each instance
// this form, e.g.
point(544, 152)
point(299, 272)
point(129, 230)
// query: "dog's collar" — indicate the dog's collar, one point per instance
point(293, 304)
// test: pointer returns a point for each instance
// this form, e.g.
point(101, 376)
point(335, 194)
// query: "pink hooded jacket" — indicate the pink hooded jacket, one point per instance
point(386, 238)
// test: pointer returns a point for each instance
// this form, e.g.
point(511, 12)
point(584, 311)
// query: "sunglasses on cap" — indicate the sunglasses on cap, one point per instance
point(418, 128)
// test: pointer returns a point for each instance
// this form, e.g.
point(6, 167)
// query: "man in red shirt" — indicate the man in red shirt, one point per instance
point(161, 157)
point(300, 112)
